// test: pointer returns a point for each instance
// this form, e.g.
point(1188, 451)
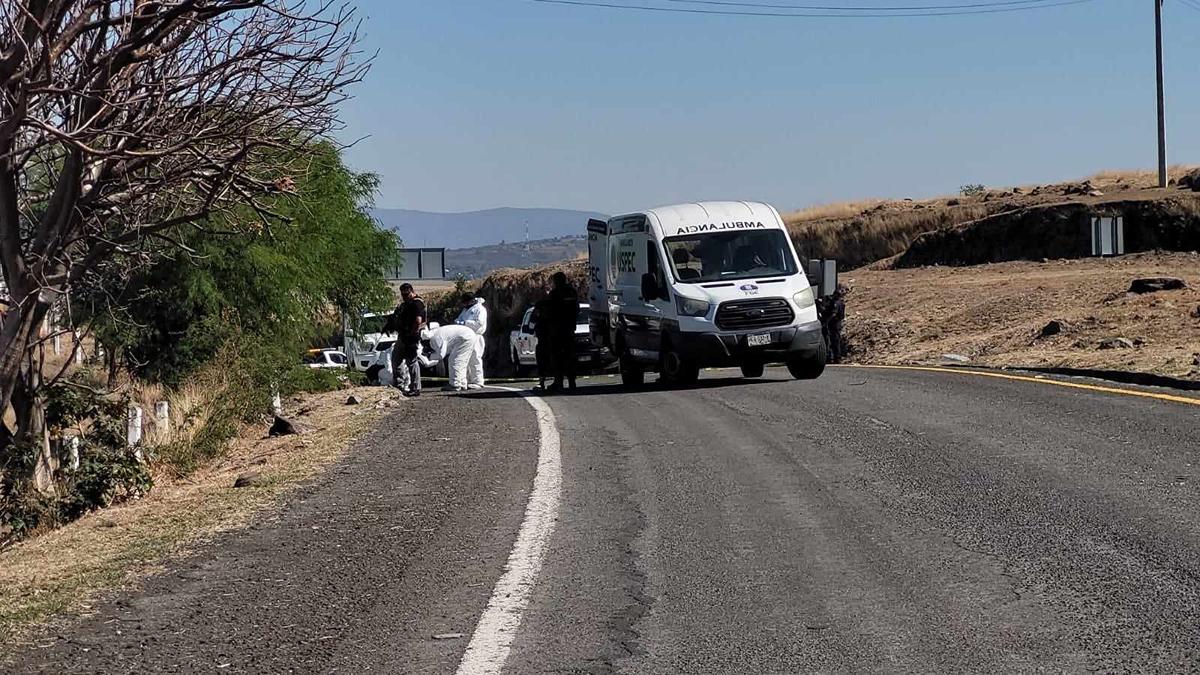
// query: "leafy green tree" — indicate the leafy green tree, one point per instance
point(276, 291)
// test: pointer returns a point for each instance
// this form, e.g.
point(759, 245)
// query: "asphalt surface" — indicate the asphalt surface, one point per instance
point(887, 521)
point(870, 521)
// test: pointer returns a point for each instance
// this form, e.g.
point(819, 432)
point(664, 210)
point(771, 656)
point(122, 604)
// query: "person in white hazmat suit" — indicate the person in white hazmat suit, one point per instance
point(474, 316)
point(453, 345)
point(380, 372)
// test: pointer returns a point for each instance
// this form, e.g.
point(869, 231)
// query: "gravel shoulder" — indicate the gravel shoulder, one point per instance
point(400, 539)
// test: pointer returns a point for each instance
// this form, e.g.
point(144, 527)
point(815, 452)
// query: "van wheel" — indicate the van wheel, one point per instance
point(809, 367)
point(753, 369)
point(675, 368)
point(632, 372)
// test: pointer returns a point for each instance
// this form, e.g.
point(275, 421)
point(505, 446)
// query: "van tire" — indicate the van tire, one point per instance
point(809, 367)
point(632, 372)
point(677, 369)
point(753, 369)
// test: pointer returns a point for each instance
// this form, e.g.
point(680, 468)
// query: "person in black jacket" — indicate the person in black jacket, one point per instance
point(408, 320)
point(564, 308)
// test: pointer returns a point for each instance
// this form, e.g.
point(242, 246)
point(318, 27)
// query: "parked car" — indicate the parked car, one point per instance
point(523, 343)
point(364, 342)
point(325, 358)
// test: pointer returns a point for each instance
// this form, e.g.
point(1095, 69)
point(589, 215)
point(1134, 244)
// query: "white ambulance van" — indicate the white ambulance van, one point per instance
point(680, 288)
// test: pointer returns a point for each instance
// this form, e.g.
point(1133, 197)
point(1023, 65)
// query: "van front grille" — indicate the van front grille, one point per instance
point(754, 314)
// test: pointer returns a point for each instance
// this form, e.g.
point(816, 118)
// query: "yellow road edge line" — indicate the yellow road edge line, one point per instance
point(1037, 380)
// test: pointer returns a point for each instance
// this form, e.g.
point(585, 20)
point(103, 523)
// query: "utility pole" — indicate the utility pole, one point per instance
point(1162, 106)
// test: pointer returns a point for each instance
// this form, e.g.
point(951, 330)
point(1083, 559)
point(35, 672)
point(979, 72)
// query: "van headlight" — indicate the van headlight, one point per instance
point(805, 298)
point(690, 306)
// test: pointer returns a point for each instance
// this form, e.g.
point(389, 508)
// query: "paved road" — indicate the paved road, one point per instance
point(869, 521)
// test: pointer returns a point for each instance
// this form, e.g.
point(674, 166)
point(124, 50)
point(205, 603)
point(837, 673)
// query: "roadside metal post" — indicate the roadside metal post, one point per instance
point(56, 343)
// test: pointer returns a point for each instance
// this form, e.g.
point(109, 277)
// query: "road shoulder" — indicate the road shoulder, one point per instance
point(400, 540)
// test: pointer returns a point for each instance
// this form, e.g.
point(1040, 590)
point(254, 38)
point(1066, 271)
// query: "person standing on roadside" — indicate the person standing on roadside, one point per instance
point(409, 319)
point(837, 317)
point(544, 351)
point(474, 316)
point(564, 308)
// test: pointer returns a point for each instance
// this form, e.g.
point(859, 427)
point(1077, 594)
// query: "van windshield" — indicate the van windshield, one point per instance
point(725, 256)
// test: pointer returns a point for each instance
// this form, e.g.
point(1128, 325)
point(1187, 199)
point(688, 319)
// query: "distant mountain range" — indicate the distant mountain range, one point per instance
point(420, 229)
point(479, 261)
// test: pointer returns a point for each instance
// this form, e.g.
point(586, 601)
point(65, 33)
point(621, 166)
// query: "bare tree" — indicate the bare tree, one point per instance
point(124, 121)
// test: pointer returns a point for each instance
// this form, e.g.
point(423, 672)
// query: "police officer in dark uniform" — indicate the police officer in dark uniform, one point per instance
point(564, 308)
point(836, 319)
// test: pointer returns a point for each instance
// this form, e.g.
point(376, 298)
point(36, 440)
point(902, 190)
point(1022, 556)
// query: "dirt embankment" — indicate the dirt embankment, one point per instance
point(859, 233)
point(1170, 223)
point(1001, 314)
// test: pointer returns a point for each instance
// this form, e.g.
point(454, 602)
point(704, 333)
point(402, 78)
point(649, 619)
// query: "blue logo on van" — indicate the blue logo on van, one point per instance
point(749, 289)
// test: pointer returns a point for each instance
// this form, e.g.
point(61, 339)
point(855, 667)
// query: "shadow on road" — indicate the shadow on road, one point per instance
point(616, 388)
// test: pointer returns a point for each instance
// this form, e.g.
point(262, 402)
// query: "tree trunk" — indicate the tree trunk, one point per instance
point(112, 364)
point(20, 385)
point(30, 408)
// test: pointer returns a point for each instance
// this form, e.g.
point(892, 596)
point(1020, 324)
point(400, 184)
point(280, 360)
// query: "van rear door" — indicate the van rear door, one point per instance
point(632, 253)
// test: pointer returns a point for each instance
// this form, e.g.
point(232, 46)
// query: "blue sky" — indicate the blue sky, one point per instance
point(482, 103)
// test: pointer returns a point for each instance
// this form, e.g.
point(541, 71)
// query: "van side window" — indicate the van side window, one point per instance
point(654, 266)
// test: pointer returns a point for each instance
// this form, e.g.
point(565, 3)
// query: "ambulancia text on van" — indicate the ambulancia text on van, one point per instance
point(679, 288)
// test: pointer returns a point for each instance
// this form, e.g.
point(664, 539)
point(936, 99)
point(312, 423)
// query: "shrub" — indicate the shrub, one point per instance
point(972, 190)
point(109, 472)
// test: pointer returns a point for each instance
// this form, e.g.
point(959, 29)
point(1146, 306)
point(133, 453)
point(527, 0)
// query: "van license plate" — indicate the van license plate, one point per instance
point(758, 340)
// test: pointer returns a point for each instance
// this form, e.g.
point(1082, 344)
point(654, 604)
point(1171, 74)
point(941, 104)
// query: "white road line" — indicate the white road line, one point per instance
point(498, 626)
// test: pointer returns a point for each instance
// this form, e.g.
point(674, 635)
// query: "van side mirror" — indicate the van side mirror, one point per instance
point(649, 287)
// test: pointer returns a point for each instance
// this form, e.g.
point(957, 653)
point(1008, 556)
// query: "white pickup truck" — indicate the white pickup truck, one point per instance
point(367, 340)
point(523, 342)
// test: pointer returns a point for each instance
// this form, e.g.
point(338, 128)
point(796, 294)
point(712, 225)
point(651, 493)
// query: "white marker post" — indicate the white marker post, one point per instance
point(133, 430)
point(162, 417)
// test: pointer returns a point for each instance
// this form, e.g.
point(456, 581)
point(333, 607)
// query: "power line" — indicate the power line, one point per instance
point(836, 8)
point(806, 15)
point(1191, 4)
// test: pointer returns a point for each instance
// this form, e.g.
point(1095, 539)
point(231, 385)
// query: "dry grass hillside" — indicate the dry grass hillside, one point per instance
point(861, 232)
point(995, 314)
